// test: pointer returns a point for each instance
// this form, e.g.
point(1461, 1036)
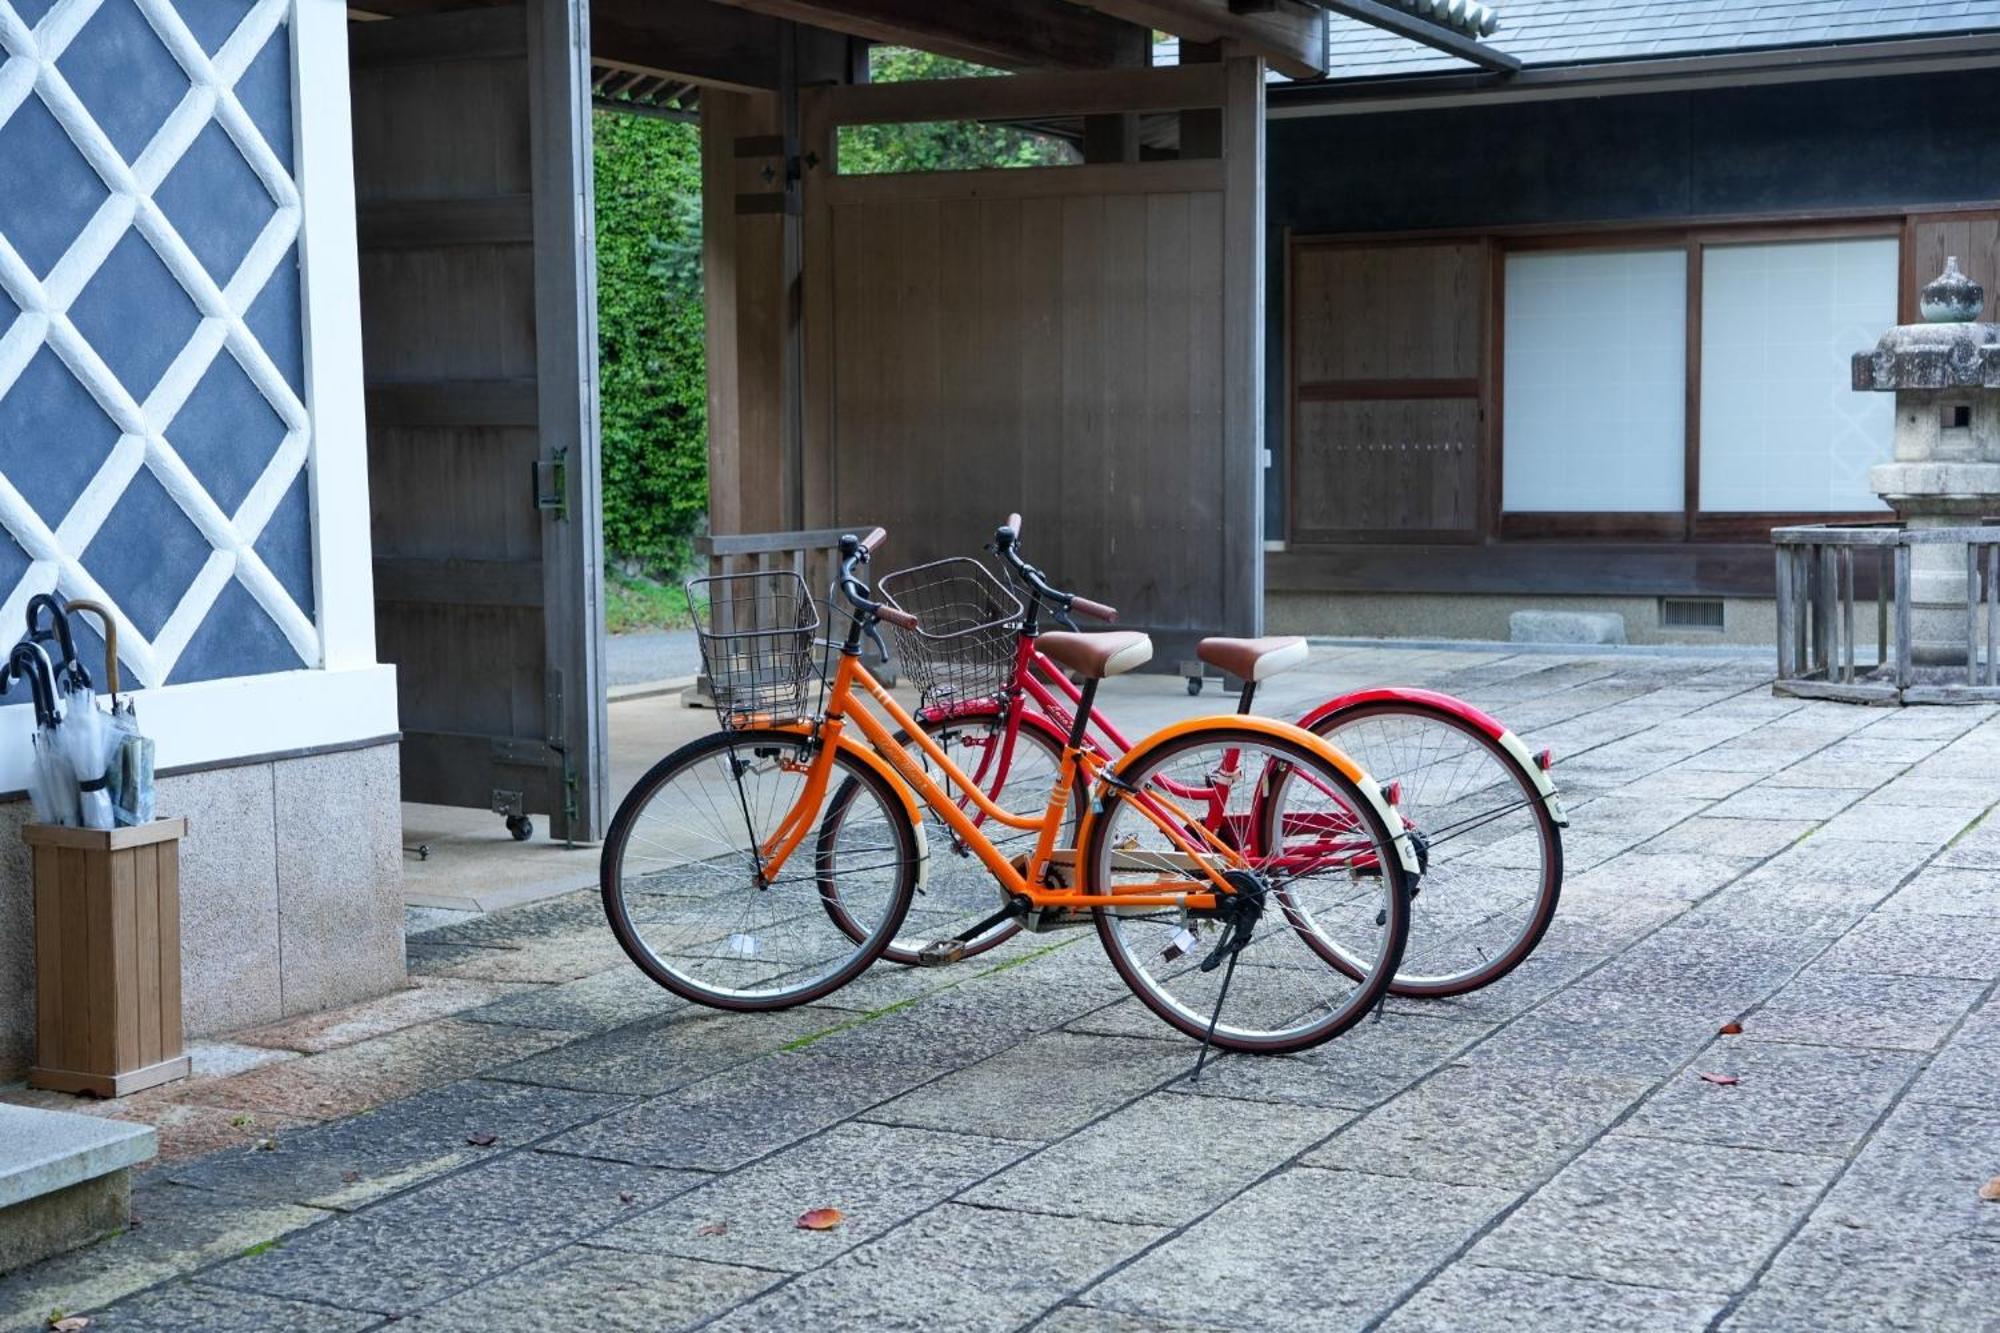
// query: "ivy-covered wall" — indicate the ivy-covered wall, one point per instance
point(652, 371)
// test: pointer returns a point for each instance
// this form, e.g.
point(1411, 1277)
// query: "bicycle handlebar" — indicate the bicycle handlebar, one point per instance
point(854, 552)
point(1095, 610)
point(1007, 541)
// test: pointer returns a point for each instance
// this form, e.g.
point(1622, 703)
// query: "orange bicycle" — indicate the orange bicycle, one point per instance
point(725, 881)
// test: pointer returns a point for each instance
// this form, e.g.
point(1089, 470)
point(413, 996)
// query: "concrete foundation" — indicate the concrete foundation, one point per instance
point(291, 893)
point(1745, 620)
point(65, 1220)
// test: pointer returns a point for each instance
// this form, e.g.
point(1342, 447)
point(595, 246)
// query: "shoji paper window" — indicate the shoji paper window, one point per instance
point(1595, 383)
point(1781, 428)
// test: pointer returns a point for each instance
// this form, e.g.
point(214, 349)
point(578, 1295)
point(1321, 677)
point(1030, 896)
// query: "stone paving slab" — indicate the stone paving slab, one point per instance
point(351, 1079)
point(1618, 1034)
point(1826, 1004)
point(1922, 1172)
point(1041, 1089)
point(177, 1230)
point(878, 1176)
point(1468, 1295)
point(1962, 1074)
point(955, 1268)
point(1376, 1058)
point(654, 1055)
point(1477, 1124)
point(1813, 1099)
point(1171, 1159)
point(427, 998)
point(1330, 1247)
point(1836, 1278)
point(1662, 1214)
point(1912, 944)
point(196, 1305)
point(1016, 1143)
point(583, 1288)
point(596, 1003)
point(355, 1162)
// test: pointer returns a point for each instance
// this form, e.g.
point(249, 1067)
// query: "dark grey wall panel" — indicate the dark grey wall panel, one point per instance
point(1668, 158)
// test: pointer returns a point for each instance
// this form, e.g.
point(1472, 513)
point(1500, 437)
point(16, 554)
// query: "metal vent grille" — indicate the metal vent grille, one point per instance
point(1691, 613)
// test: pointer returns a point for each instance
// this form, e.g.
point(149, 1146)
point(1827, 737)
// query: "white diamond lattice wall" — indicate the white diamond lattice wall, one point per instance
point(159, 328)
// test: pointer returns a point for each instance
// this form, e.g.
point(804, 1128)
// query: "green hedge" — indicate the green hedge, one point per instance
point(652, 371)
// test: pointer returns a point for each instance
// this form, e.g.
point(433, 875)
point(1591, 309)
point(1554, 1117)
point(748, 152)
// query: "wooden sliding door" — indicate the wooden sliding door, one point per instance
point(1388, 347)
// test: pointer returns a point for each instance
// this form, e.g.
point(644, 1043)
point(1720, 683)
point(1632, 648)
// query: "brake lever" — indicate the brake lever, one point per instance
point(874, 632)
point(1068, 621)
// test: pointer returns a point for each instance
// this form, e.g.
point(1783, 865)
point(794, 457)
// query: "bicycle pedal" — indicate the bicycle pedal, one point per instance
point(941, 953)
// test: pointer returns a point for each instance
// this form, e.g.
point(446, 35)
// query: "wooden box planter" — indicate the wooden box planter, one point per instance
point(107, 957)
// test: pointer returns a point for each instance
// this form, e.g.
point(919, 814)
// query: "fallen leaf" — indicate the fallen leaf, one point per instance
point(821, 1219)
point(714, 1229)
point(1730, 1030)
point(624, 1198)
point(1720, 1080)
point(1990, 1191)
point(482, 1139)
point(1852, 1224)
point(267, 1145)
point(76, 1323)
point(350, 1177)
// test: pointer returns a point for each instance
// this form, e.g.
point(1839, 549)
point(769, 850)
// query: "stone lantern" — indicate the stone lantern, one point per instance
point(1945, 373)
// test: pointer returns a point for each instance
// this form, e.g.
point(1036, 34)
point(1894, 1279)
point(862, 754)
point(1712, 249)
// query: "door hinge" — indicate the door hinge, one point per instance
point(551, 483)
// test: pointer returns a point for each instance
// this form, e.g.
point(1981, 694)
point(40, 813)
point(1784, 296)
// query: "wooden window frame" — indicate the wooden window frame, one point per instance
point(1690, 523)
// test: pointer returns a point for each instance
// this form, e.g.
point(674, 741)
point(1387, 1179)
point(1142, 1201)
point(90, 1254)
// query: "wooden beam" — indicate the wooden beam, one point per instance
point(1027, 95)
point(1009, 34)
point(1291, 35)
point(689, 40)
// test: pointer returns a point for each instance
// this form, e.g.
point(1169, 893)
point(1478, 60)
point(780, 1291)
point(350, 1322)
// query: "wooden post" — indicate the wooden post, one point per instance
point(743, 278)
point(107, 957)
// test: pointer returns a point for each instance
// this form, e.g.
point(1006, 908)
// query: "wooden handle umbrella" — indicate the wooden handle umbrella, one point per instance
point(110, 645)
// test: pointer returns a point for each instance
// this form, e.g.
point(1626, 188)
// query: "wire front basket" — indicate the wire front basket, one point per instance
point(968, 628)
point(757, 645)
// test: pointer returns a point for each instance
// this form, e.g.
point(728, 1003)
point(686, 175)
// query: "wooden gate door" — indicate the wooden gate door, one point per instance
point(472, 166)
point(1081, 343)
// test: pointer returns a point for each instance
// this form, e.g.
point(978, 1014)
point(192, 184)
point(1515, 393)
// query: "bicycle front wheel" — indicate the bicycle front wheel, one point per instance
point(1211, 784)
point(683, 889)
point(1492, 853)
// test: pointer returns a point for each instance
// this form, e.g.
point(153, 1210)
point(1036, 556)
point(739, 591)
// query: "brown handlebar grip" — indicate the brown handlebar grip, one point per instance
point(1014, 522)
point(1095, 610)
point(873, 541)
point(902, 619)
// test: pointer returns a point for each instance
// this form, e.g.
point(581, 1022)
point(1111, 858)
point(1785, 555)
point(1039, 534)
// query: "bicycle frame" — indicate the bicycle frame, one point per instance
point(1079, 763)
point(1034, 675)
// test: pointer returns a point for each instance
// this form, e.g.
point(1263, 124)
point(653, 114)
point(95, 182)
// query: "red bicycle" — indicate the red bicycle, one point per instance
point(1482, 810)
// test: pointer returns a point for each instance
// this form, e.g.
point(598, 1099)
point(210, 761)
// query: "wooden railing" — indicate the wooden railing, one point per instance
point(813, 555)
point(1819, 568)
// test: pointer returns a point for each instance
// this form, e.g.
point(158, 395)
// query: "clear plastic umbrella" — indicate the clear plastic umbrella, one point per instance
point(51, 783)
point(128, 771)
point(85, 732)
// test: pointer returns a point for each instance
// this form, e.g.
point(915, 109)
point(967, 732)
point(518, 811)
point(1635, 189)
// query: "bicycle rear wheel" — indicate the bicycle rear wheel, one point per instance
point(1492, 852)
point(1283, 996)
point(681, 882)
